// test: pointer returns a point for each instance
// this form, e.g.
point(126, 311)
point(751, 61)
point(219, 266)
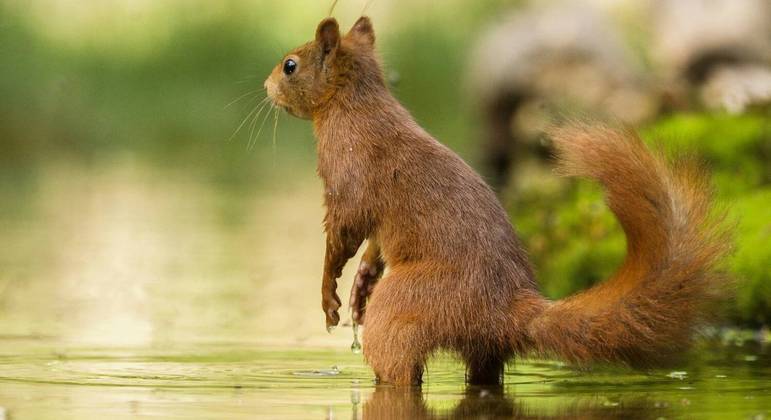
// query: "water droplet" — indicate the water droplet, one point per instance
point(356, 345)
point(333, 371)
point(678, 375)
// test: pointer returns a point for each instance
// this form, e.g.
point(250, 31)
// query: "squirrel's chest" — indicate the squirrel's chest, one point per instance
point(343, 170)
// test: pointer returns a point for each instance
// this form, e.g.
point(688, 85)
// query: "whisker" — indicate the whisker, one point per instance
point(267, 114)
point(250, 77)
point(251, 92)
point(275, 126)
point(246, 118)
point(252, 100)
point(253, 140)
point(332, 8)
point(366, 6)
point(277, 50)
point(252, 125)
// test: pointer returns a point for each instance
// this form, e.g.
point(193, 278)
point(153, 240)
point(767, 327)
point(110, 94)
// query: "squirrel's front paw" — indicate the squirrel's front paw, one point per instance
point(331, 303)
point(366, 277)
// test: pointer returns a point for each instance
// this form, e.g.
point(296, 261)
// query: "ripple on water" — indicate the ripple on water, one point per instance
point(339, 380)
point(256, 369)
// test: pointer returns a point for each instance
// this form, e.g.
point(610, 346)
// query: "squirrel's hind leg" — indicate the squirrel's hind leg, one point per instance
point(396, 349)
point(398, 336)
point(484, 370)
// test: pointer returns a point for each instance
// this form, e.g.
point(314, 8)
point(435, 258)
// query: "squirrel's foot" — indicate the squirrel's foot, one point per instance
point(363, 284)
point(330, 303)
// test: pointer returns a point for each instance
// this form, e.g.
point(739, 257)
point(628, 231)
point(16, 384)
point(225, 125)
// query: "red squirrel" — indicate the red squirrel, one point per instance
point(458, 277)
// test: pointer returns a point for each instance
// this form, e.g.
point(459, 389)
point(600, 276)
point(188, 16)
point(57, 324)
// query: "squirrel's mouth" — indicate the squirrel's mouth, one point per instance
point(277, 102)
point(277, 99)
point(289, 109)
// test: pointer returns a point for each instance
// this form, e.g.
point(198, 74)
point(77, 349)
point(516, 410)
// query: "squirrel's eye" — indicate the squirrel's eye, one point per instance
point(289, 66)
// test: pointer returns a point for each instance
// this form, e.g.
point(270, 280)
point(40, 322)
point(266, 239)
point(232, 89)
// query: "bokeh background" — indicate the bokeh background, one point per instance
point(130, 212)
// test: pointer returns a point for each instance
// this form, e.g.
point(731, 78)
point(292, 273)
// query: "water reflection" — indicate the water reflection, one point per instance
point(493, 403)
point(128, 253)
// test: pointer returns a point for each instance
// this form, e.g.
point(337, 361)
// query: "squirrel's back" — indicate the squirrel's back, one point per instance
point(436, 207)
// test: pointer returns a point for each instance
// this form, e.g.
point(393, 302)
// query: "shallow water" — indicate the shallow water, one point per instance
point(127, 291)
point(40, 378)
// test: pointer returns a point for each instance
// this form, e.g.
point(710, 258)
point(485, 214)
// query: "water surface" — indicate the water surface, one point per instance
point(127, 290)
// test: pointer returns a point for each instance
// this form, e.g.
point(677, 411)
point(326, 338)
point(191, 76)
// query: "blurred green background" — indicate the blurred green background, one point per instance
point(96, 87)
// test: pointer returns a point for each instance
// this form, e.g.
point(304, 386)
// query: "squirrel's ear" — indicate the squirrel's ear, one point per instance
point(328, 35)
point(363, 32)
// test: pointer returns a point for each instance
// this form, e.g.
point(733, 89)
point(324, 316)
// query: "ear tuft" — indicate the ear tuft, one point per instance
point(363, 32)
point(328, 35)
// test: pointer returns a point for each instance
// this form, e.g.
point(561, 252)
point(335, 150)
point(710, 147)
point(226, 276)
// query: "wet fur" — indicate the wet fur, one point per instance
point(458, 278)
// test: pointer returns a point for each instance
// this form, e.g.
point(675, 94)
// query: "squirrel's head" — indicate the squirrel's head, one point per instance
point(311, 75)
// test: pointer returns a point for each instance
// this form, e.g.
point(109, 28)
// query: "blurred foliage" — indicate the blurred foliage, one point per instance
point(157, 84)
point(167, 104)
point(156, 87)
point(575, 241)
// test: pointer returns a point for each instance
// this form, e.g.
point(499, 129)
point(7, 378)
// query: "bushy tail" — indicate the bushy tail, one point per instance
point(646, 313)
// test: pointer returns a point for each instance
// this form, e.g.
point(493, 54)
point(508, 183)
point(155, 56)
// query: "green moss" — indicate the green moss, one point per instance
point(736, 148)
point(751, 263)
point(575, 242)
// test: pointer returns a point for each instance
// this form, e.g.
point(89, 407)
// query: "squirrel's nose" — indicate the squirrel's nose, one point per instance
point(269, 86)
